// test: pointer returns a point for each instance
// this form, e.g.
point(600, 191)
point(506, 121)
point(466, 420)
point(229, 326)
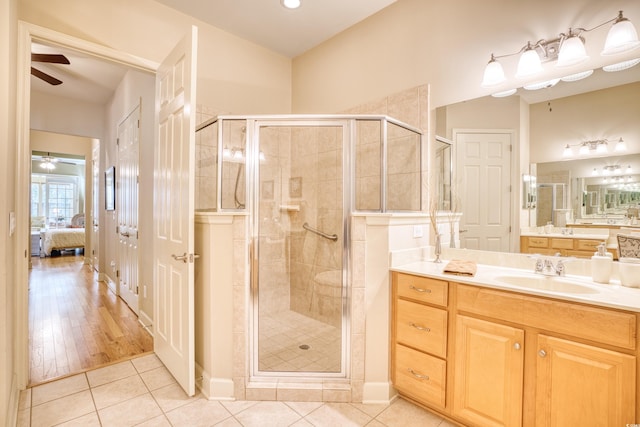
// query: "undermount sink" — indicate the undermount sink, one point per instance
point(548, 283)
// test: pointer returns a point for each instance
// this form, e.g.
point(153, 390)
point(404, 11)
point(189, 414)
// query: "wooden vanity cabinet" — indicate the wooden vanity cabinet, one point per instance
point(513, 359)
point(565, 246)
point(419, 338)
point(489, 363)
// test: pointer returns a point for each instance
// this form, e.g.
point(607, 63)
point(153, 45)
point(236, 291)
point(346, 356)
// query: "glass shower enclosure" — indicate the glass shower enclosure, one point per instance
point(299, 178)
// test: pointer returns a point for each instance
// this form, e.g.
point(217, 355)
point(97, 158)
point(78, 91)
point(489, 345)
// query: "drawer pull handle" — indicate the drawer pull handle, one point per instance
point(420, 328)
point(517, 346)
point(542, 353)
point(428, 291)
point(419, 376)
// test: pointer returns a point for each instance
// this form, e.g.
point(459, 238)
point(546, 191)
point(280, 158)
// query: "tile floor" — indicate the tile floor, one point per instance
point(141, 392)
point(282, 334)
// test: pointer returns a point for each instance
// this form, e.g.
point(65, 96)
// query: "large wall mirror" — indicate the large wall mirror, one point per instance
point(605, 105)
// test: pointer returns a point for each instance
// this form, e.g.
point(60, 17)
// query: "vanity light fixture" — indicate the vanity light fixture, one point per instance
point(598, 146)
point(291, 4)
point(567, 48)
point(620, 66)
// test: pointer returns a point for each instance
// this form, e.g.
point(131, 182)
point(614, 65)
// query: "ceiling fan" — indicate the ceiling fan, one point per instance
point(51, 58)
point(49, 161)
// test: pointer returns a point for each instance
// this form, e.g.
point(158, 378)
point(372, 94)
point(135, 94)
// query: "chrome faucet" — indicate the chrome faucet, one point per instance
point(546, 266)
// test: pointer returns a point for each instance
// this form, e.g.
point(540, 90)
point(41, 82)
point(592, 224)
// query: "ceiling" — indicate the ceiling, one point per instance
point(269, 24)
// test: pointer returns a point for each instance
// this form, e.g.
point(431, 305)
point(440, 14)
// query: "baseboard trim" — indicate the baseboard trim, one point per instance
point(378, 393)
point(214, 388)
point(146, 321)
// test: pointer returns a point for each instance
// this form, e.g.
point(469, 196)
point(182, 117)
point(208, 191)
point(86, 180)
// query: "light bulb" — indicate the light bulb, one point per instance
point(529, 63)
point(568, 152)
point(572, 52)
point(620, 145)
point(493, 74)
point(622, 37)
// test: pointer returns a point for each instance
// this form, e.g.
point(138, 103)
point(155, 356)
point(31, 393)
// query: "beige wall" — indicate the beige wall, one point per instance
point(608, 113)
point(234, 76)
point(8, 386)
point(445, 44)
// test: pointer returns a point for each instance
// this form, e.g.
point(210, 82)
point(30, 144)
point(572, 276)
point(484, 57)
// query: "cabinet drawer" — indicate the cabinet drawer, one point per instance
point(538, 242)
point(587, 245)
point(420, 375)
point(422, 327)
point(422, 289)
point(607, 326)
point(562, 243)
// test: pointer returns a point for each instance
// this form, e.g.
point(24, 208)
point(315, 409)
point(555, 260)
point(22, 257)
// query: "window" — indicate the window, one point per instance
point(55, 198)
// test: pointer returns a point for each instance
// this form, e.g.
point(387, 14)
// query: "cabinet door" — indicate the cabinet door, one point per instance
point(488, 373)
point(582, 385)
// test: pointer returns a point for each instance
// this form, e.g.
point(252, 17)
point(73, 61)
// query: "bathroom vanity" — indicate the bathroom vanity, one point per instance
point(511, 348)
point(575, 245)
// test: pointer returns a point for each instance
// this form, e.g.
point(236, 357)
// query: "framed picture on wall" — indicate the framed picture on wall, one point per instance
point(110, 189)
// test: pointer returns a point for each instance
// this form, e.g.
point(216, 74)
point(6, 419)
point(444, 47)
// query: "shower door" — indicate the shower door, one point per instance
point(299, 258)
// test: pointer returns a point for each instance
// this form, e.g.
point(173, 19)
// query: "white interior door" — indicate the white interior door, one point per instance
point(127, 173)
point(95, 208)
point(484, 173)
point(174, 212)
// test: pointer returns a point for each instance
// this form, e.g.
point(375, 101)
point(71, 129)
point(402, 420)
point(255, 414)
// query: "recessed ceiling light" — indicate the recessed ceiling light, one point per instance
point(291, 4)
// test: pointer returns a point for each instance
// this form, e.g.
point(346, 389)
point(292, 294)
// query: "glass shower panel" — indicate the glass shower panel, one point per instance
point(368, 164)
point(403, 169)
point(206, 168)
point(234, 150)
point(300, 290)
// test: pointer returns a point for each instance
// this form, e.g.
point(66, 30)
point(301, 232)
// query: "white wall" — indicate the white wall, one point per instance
point(8, 58)
point(66, 116)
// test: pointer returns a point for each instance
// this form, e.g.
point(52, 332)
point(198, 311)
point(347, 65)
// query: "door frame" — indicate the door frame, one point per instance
point(514, 203)
point(27, 33)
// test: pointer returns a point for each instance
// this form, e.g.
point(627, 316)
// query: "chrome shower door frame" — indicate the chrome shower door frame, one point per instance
point(253, 145)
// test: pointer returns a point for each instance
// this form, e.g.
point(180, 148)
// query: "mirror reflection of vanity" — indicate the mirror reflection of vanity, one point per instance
point(605, 105)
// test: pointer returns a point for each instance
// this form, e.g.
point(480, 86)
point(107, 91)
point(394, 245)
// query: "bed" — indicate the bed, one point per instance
point(58, 239)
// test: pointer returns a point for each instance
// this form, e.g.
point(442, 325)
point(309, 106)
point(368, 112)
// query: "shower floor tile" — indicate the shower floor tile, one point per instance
point(292, 342)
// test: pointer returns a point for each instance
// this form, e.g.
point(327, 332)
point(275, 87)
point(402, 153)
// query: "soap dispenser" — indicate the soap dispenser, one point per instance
point(601, 263)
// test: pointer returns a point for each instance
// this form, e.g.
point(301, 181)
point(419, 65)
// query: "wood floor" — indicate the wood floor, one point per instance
point(75, 322)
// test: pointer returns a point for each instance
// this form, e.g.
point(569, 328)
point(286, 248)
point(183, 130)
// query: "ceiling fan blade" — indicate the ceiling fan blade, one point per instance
point(46, 77)
point(52, 58)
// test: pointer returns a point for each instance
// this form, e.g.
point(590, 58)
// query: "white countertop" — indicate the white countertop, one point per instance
point(612, 295)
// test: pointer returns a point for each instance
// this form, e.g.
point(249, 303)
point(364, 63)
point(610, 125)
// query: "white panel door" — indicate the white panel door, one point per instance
point(174, 212)
point(484, 174)
point(127, 208)
point(95, 208)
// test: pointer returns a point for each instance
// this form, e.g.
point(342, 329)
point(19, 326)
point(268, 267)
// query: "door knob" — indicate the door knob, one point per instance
point(542, 353)
point(517, 346)
point(184, 258)
point(462, 231)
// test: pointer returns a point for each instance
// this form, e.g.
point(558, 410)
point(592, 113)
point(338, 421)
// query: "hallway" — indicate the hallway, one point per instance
point(75, 322)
